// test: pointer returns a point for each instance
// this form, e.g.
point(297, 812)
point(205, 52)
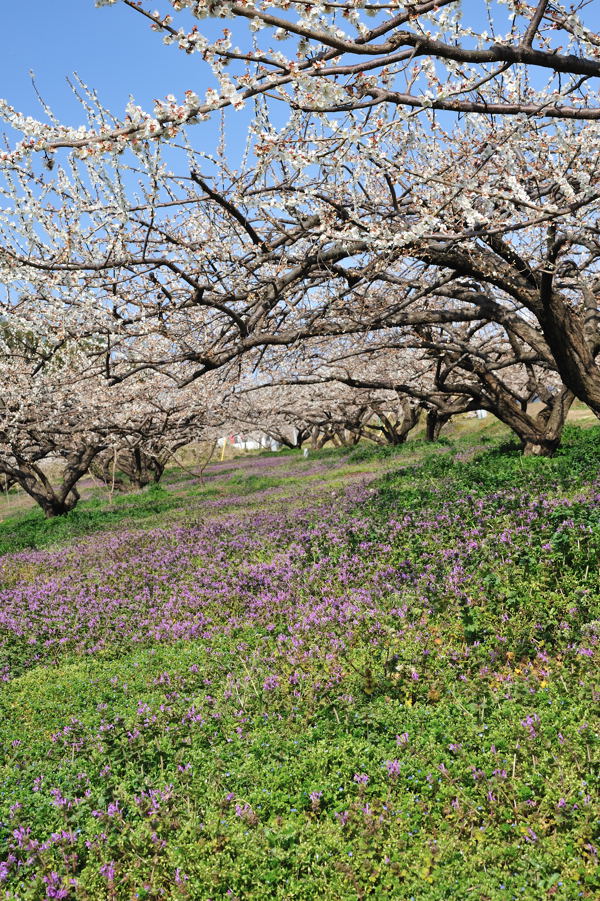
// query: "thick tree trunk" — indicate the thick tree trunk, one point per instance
point(158, 468)
point(301, 436)
point(541, 448)
point(572, 335)
point(319, 438)
point(434, 423)
point(292, 445)
point(62, 498)
point(573, 350)
point(540, 435)
point(53, 506)
point(394, 430)
point(135, 466)
point(346, 437)
point(141, 468)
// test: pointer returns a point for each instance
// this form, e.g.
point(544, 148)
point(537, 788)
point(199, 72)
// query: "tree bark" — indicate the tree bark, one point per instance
point(53, 500)
point(434, 423)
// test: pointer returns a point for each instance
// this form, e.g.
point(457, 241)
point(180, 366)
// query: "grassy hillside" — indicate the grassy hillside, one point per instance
point(367, 674)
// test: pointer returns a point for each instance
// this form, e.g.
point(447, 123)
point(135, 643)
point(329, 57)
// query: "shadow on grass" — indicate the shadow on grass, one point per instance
point(33, 530)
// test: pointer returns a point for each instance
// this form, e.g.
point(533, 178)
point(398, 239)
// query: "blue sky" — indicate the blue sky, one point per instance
point(114, 51)
point(111, 48)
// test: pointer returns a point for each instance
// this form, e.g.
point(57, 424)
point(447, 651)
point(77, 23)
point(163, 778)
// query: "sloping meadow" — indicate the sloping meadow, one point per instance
point(330, 685)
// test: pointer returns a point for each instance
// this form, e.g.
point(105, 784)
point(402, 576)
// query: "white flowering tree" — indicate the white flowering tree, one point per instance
point(449, 226)
point(493, 58)
point(59, 414)
point(501, 376)
point(174, 418)
point(176, 265)
point(51, 421)
point(445, 370)
point(294, 415)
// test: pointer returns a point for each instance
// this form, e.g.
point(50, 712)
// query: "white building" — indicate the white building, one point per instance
point(253, 441)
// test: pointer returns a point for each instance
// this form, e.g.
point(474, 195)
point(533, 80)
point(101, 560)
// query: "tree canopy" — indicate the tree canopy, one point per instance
point(418, 262)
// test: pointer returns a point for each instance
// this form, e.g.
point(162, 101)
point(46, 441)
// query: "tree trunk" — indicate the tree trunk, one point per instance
point(103, 472)
point(53, 506)
point(141, 468)
point(572, 350)
point(539, 448)
point(157, 468)
point(539, 436)
point(434, 423)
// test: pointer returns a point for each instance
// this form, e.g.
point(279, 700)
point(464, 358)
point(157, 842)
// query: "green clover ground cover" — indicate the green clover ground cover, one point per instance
point(339, 678)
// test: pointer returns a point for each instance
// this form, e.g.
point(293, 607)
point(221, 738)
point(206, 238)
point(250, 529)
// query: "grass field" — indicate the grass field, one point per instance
point(365, 674)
